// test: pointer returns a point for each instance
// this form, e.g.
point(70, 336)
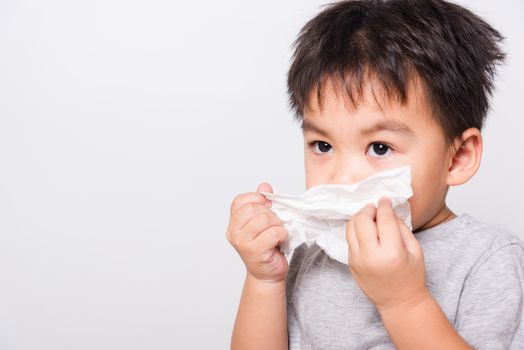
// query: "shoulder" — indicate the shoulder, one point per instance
point(485, 233)
point(463, 246)
point(491, 260)
point(492, 242)
point(471, 242)
point(489, 313)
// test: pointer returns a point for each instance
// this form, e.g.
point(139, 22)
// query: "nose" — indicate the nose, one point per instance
point(348, 171)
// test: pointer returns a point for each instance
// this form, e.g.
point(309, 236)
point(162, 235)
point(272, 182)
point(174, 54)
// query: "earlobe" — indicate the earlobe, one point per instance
point(465, 157)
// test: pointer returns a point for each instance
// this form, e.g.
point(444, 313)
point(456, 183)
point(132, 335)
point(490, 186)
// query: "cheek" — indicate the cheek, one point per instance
point(418, 201)
point(312, 173)
point(428, 185)
point(427, 169)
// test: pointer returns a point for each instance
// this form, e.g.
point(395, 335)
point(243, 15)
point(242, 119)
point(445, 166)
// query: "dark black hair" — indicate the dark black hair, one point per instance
point(452, 50)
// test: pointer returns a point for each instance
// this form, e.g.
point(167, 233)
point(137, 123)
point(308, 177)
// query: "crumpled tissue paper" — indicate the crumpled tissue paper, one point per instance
point(319, 215)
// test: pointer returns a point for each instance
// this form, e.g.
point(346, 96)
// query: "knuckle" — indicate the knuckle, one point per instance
point(240, 202)
point(251, 209)
point(236, 201)
point(274, 218)
point(233, 239)
point(275, 234)
point(282, 232)
point(395, 258)
point(271, 232)
point(266, 218)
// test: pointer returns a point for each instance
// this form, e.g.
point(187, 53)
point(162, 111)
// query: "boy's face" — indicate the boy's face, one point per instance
point(344, 146)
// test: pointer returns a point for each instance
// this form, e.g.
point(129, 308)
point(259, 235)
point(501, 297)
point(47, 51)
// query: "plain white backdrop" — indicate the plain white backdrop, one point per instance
point(126, 129)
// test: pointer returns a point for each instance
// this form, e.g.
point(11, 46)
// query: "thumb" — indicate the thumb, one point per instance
point(264, 187)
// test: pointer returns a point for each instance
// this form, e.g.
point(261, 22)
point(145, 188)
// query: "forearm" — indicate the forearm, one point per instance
point(421, 324)
point(261, 321)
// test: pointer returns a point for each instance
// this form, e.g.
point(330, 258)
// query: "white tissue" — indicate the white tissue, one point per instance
point(320, 214)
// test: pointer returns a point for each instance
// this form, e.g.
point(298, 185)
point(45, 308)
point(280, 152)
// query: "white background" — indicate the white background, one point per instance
point(126, 129)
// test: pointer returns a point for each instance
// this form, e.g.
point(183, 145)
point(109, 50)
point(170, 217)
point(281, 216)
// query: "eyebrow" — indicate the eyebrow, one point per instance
point(383, 125)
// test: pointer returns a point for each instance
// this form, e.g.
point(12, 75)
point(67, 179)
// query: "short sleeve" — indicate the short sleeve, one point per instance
point(490, 310)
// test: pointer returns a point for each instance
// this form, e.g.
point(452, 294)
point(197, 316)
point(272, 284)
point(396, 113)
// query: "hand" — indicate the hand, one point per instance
point(256, 233)
point(385, 258)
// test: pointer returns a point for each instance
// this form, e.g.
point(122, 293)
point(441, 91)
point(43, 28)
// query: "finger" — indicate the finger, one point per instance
point(242, 199)
point(271, 237)
point(267, 243)
point(264, 187)
point(366, 229)
point(410, 241)
point(242, 216)
point(258, 224)
point(351, 237)
point(388, 230)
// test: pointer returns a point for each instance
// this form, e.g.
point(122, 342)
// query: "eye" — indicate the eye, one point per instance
point(322, 146)
point(379, 150)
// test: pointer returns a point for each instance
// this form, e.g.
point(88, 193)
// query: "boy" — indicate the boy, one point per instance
point(382, 84)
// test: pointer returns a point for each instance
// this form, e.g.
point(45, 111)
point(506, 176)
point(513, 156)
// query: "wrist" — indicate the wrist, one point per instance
point(407, 306)
point(420, 323)
point(266, 286)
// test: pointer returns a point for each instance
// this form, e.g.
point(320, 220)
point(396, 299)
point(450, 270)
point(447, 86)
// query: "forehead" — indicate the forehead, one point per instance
point(369, 104)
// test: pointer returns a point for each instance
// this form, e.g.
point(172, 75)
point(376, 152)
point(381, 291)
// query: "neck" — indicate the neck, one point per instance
point(443, 215)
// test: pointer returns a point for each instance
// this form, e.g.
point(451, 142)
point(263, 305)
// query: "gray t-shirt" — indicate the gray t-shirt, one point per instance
point(474, 270)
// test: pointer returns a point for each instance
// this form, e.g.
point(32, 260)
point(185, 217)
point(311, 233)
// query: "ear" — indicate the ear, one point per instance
point(465, 157)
